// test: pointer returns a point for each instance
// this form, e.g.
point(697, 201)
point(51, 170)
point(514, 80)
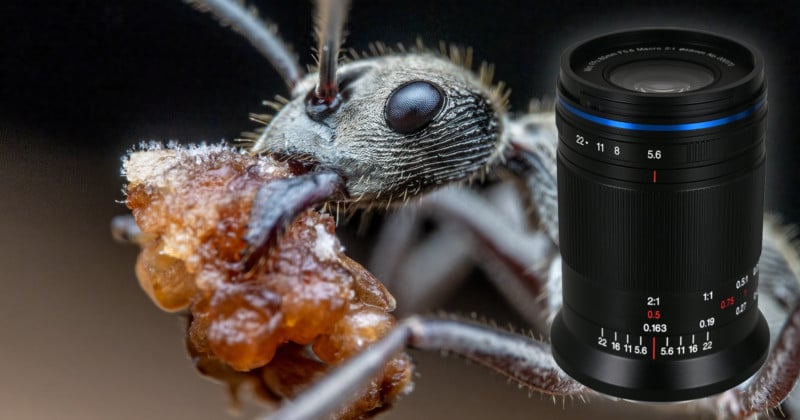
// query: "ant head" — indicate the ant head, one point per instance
point(398, 125)
point(392, 125)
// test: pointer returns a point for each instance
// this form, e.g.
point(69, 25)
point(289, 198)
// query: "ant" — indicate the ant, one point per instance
point(378, 130)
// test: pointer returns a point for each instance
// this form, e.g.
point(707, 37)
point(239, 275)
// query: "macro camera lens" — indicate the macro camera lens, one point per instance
point(660, 202)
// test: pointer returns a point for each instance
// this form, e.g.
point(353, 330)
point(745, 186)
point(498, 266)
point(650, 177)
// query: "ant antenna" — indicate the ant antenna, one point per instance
point(246, 22)
point(330, 18)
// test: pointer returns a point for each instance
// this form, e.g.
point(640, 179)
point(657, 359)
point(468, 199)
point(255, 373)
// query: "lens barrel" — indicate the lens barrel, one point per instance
point(660, 193)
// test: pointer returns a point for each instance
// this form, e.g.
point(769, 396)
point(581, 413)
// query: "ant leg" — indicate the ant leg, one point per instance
point(433, 269)
point(778, 264)
point(523, 264)
point(772, 384)
point(125, 230)
point(522, 359)
point(278, 202)
point(531, 160)
point(420, 273)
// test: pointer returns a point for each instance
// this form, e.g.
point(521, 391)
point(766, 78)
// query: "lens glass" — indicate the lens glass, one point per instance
point(661, 76)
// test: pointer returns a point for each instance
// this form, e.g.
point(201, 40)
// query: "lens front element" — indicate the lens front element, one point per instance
point(661, 76)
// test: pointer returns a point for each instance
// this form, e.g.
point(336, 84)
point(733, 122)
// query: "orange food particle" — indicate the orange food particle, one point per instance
point(354, 332)
point(193, 205)
point(164, 278)
point(245, 321)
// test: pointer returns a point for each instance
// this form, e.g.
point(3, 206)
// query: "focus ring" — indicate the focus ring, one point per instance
point(718, 227)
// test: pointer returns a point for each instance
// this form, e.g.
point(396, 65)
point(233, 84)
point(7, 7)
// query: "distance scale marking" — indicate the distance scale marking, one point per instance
point(653, 343)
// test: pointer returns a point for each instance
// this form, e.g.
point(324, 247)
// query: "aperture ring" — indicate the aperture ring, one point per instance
point(666, 151)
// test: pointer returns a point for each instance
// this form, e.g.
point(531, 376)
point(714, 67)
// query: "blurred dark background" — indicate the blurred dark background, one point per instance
point(83, 81)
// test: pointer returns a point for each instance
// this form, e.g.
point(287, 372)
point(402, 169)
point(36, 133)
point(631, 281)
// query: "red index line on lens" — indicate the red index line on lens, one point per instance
point(654, 348)
point(654, 176)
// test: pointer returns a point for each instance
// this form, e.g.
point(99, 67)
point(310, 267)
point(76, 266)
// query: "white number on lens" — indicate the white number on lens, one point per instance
point(742, 281)
point(707, 322)
point(653, 154)
point(656, 328)
point(740, 309)
point(616, 150)
point(580, 140)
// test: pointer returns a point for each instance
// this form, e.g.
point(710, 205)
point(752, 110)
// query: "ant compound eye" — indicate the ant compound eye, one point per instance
point(412, 106)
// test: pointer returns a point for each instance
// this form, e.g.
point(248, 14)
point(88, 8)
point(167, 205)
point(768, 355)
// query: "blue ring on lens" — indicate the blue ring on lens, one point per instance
point(662, 127)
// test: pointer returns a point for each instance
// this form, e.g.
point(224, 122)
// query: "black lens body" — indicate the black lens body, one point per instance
point(660, 198)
